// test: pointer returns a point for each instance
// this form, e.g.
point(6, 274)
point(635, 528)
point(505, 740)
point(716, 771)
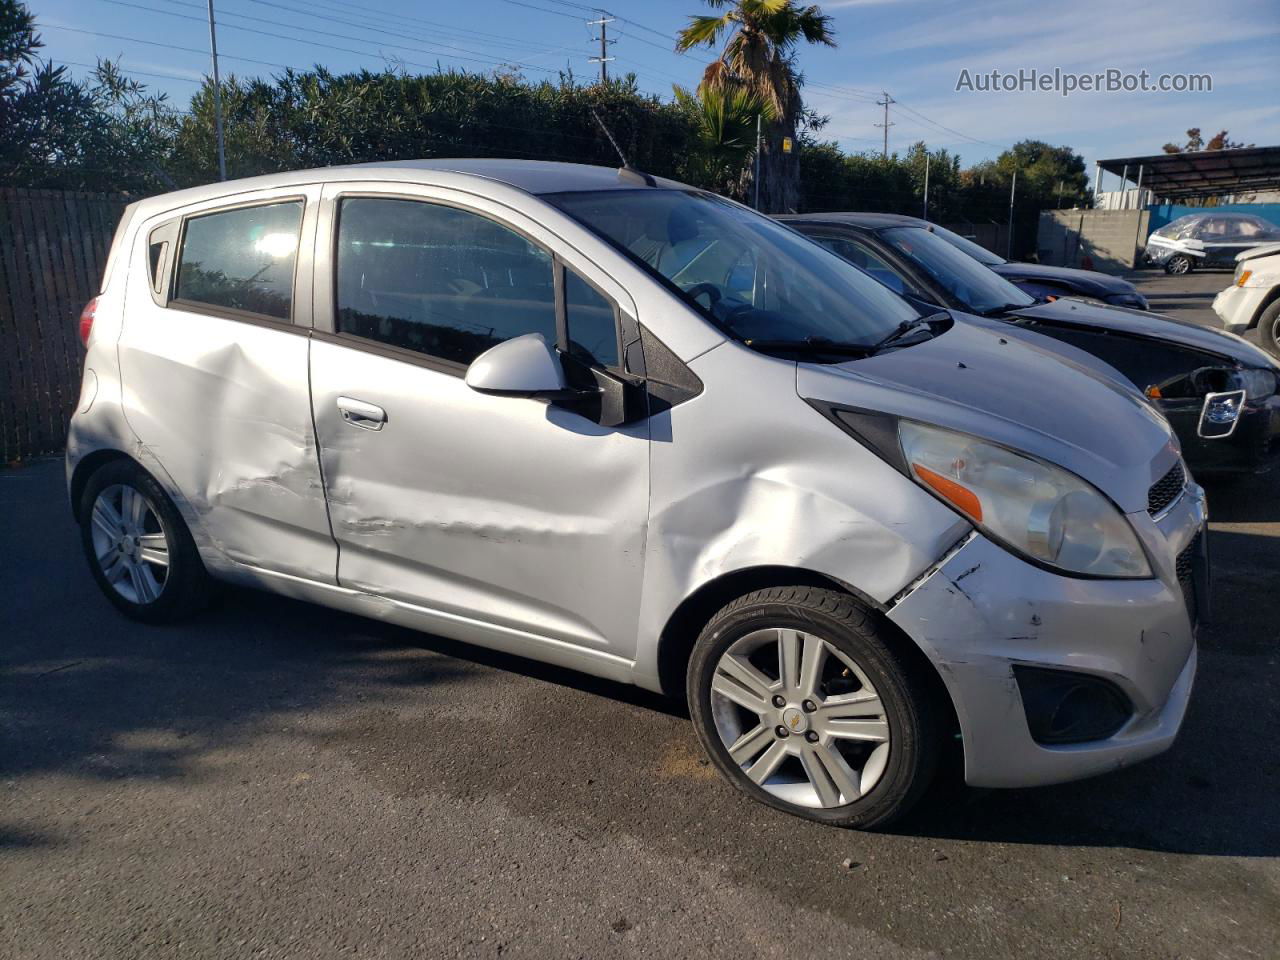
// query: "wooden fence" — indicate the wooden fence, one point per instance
point(53, 247)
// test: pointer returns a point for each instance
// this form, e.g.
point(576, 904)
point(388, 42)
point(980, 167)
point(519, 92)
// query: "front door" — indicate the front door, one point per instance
point(512, 521)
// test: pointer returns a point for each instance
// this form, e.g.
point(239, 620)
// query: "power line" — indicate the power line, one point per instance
point(167, 46)
point(327, 46)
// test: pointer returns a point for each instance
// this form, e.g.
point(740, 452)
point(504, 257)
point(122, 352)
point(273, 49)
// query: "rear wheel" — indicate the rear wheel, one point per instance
point(138, 547)
point(1179, 264)
point(802, 700)
point(1269, 329)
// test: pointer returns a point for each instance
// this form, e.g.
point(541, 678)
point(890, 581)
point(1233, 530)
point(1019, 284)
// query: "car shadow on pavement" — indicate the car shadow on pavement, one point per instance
point(90, 695)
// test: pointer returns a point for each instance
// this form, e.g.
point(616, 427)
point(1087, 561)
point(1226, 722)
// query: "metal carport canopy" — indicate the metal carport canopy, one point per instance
point(1203, 174)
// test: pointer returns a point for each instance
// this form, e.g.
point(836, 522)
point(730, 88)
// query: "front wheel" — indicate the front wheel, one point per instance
point(1269, 329)
point(138, 547)
point(803, 701)
point(1178, 264)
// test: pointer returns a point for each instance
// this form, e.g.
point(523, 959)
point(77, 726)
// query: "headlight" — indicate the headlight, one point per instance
point(1255, 383)
point(1035, 509)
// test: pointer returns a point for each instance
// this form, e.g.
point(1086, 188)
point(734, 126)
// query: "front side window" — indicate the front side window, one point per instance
point(438, 280)
point(753, 277)
point(590, 322)
point(976, 288)
point(242, 259)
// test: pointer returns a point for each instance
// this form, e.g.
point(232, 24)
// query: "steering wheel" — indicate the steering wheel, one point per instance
point(710, 289)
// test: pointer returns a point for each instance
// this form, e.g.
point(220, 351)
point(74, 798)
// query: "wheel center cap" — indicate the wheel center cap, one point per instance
point(793, 719)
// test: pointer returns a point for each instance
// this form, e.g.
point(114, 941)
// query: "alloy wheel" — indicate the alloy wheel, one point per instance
point(130, 543)
point(800, 718)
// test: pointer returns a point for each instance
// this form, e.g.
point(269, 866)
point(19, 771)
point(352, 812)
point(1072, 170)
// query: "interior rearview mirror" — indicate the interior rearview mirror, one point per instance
point(524, 366)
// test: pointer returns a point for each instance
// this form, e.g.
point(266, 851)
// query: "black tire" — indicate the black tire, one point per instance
point(186, 585)
point(1269, 329)
point(909, 707)
point(1179, 264)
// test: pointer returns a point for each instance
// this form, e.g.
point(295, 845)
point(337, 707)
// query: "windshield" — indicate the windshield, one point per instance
point(1181, 228)
point(754, 278)
point(981, 254)
point(977, 288)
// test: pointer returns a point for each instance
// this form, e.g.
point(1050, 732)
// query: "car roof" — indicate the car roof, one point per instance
point(870, 221)
point(527, 176)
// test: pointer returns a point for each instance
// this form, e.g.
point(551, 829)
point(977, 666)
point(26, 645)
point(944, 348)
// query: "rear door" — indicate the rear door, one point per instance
point(513, 522)
point(213, 357)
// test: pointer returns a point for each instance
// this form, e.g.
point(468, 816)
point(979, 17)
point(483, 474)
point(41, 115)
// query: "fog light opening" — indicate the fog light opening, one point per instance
point(1065, 707)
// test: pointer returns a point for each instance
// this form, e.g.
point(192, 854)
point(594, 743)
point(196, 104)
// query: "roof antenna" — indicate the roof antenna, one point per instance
point(627, 172)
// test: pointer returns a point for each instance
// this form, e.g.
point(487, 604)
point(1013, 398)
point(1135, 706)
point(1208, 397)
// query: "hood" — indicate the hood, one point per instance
point(1266, 250)
point(1086, 281)
point(1015, 391)
point(1155, 326)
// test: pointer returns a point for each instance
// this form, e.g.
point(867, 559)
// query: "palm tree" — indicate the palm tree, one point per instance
point(758, 53)
point(725, 121)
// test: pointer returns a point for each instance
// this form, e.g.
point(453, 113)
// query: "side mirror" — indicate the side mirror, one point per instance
point(524, 366)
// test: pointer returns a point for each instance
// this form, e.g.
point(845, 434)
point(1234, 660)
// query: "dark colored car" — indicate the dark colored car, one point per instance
point(1042, 281)
point(1209, 239)
point(1218, 391)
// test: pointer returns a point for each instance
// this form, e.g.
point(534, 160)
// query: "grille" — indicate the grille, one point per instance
point(1185, 565)
point(1165, 490)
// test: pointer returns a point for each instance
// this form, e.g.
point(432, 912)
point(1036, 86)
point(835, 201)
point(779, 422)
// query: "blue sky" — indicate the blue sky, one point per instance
point(914, 50)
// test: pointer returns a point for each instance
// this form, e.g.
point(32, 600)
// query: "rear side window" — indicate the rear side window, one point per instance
point(242, 259)
point(437, 280)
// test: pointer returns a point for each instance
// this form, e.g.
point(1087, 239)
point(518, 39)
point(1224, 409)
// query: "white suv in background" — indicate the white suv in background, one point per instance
point(1253, 299)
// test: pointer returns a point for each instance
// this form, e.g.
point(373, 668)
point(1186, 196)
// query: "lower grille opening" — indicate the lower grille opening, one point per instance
point(1067, 707)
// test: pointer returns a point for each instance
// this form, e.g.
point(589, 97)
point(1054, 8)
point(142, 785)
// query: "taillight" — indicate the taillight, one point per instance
point(86, 320)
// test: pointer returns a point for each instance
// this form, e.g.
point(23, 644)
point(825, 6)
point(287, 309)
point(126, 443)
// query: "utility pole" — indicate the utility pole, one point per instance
point(757, 176)
point(1008, 249)
point(925, 215)
point(604, 58)
point(217, 97)
point(885, 103)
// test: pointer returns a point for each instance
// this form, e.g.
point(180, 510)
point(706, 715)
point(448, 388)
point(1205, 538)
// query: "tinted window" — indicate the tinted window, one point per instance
point(977, 288)
point(755, 278)
point(593, 331)
point(438, 280)
point(964, 244)
point(242, 259)
point(863, 257)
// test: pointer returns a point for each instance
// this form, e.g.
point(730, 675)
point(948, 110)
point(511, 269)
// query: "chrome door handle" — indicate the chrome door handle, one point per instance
point(370, 416)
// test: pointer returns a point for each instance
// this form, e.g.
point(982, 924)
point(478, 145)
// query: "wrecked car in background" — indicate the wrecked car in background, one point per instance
point(1218, 391)
point(631, 428)
point(1207, 239)
point(1253, 299)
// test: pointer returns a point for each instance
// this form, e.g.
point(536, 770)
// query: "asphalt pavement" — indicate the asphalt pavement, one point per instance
point(278, 780)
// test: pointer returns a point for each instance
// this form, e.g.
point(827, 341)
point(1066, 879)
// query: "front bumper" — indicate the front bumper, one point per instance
point(982, 611)
point(1237, 307)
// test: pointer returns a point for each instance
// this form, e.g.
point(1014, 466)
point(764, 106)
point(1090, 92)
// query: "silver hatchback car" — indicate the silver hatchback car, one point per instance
point(635, 429)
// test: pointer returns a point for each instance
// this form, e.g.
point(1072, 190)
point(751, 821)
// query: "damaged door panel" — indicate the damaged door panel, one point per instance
point(214, 364)
point(507, 510)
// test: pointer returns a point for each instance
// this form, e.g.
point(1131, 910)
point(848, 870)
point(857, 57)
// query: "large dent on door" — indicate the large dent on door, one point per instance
point(230, 425)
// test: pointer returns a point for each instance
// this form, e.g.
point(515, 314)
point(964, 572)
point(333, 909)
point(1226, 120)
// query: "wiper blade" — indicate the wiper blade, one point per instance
point(812, 345)
point(907, 326)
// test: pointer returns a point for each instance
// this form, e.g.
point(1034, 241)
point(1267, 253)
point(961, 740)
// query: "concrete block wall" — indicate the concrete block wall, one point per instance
point(1106, 240)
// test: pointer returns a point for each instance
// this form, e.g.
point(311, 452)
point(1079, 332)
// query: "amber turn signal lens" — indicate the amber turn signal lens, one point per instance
point(964, 499)
point(1244, 278)
point(1153, 392)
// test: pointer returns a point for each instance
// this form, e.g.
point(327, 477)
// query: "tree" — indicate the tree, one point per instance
point(725, 121)
point(758, 55)
point(1195, 143)
point(106, 134)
